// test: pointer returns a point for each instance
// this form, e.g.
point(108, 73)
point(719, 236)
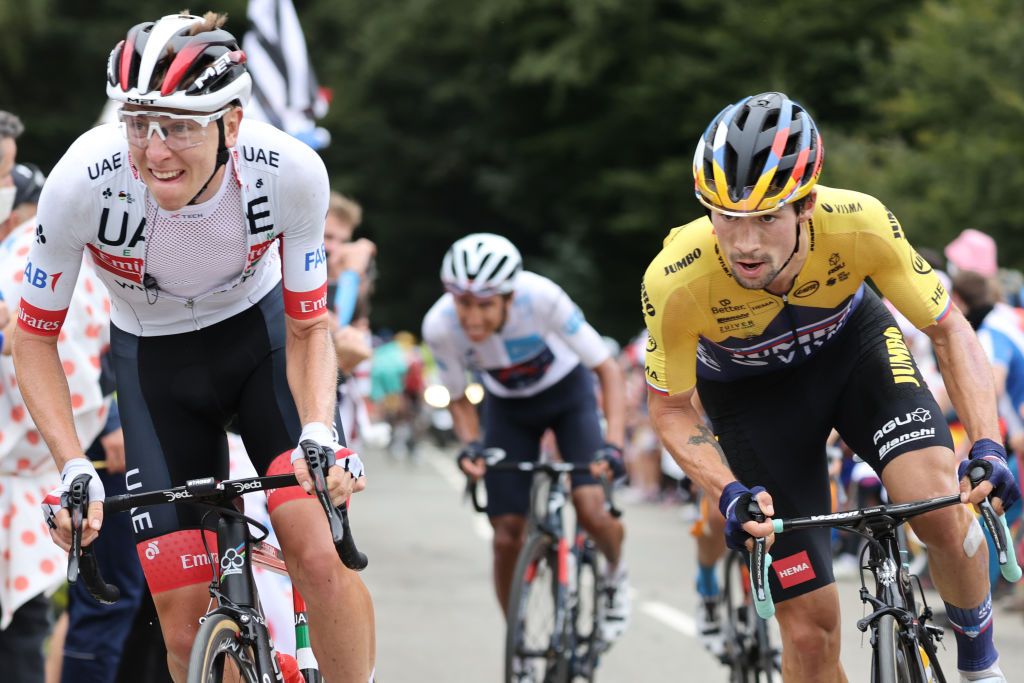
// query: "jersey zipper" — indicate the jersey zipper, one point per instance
point(190, 304)
point(792, 323)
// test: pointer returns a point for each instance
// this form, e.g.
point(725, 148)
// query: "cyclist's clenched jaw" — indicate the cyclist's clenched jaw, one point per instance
point(174, 172)
point(758, 248)
point(480, 317)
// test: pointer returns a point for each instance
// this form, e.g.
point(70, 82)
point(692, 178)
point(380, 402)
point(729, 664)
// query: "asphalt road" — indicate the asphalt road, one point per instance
point(438, 620)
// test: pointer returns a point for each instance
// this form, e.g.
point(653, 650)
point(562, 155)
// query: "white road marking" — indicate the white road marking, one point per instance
point(671, 617)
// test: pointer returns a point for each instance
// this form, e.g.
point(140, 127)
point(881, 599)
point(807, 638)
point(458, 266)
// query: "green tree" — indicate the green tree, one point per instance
point(945, 150)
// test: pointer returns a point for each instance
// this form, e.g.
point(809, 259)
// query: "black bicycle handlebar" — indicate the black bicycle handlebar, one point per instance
point(889, 516)
point(493, 458)
point(82, 561)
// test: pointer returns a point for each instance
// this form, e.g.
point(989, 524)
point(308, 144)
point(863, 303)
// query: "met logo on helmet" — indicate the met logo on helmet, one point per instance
point(219, 66)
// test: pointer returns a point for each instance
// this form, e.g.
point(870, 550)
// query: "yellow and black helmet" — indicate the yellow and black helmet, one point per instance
point(757, 155)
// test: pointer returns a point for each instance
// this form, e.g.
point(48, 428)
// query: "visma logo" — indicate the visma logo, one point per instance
point(152, 550)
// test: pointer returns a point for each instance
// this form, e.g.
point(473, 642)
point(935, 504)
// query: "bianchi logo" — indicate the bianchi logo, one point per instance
point(921, 415)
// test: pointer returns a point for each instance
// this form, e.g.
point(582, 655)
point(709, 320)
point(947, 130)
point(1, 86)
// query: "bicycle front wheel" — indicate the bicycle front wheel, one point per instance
point(219, 653)
point(748, 650)
point(888, 659)
point(535, 648)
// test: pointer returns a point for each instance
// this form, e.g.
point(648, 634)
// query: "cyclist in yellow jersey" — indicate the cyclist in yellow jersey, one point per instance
point(762, 307)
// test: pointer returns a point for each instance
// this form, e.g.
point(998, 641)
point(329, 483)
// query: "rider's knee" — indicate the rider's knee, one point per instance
point(178, 641)
point(591, 512)
point(508, 538)
point(944, 529)
point(315, 565)
point(811, 640)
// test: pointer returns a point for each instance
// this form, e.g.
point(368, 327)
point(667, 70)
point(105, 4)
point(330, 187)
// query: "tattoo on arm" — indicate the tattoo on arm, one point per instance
point(705, 436)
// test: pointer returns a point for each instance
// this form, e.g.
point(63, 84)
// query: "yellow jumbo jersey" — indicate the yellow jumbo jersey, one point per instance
point(702, 322)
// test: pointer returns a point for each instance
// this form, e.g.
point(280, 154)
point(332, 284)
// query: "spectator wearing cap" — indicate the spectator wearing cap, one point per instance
point(974, 251)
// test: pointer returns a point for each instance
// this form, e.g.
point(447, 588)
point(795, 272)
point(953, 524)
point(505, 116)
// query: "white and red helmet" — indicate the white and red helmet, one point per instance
point(173, 63)
point(481, 264)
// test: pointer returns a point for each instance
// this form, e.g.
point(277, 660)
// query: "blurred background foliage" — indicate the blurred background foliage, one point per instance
point(569, 125)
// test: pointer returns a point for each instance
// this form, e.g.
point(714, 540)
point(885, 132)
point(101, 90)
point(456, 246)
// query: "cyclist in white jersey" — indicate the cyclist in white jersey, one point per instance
point(534, 351)
point(190, 215)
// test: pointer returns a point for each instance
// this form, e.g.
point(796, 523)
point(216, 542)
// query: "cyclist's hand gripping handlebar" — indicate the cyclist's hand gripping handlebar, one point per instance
point(82, 561)
point(320, 460)
point(490, 456)
point(980, 470)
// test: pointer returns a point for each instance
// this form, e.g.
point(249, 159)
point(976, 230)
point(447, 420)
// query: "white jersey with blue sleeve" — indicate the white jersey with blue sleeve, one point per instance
point(543, 339)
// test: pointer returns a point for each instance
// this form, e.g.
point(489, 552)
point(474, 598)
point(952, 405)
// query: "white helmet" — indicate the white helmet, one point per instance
point(173, 63)
point(481, 264)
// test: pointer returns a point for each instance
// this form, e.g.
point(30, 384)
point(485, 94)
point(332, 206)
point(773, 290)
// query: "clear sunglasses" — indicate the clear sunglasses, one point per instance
point(178, 131)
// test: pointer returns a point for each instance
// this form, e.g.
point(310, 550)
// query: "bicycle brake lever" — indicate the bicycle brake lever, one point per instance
point(75, 500)
point(997, 527)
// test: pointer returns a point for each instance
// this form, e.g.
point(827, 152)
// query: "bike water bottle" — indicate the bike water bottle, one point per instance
point(289, 668)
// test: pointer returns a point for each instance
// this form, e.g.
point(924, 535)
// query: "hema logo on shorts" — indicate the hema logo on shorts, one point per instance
point(794, 569)
point(919, 415)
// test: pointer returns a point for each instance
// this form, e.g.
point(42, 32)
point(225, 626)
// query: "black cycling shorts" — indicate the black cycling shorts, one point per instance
point(177, 395)
point(568, 407)
point(773, 429)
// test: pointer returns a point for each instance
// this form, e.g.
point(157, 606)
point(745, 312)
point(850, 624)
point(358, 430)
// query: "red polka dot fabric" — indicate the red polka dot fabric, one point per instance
point(30, 563)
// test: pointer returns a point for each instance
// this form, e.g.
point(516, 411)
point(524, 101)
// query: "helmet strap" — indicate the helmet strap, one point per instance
point(796, 248)
point(222, 159)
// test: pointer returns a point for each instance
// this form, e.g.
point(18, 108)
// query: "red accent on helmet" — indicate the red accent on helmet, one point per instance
point(800, 164)
point(779, 143)
point(183, 62)
point(238, 56)
point(126, 60)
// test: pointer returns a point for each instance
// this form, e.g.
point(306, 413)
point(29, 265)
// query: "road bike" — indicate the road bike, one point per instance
point(233, 642)
point(556, 602)
point(903, 642)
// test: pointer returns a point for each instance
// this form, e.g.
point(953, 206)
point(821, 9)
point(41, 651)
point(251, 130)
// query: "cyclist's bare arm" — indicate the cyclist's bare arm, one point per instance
point(466, 419)
point(967, 375)
point(310, 363)
point(689, 441)
point(613, 396)
point(969, 382)
point(45, 390)
point(466, 422)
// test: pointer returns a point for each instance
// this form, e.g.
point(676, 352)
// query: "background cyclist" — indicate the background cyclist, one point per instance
point(535, 352)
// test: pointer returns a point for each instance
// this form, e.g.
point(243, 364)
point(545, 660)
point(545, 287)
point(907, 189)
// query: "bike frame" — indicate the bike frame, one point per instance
point(549, 521)
point(894, 585)
point(232, 584)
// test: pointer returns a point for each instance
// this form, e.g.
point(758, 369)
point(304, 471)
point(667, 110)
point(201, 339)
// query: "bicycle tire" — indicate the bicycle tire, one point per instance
point(587, 613)
point(536, 574)
point(888, 656)
point(216, 643)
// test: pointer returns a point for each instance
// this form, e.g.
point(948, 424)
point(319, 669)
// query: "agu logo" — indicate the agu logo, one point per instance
point(794, 570)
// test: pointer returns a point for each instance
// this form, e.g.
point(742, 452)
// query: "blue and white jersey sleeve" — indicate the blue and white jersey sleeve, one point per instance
point(443, 335)
point(567, 321)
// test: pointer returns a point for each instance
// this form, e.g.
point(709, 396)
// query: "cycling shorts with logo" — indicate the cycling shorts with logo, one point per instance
point(177, 395)
point(773, 429)
point(568, 408)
